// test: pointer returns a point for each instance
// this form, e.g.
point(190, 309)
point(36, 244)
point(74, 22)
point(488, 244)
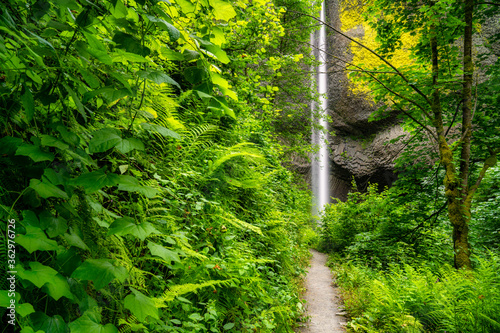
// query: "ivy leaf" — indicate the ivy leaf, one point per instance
point(164, 253)
point(160, 129)
point(157, 77)
point(127, 226)
point(94, 181)
point(104, 139)
point(222, 10)
point(131, 184)
point(90, 322)
point(130, 144)
point(100, 271)
point(28, 103)
point(35, 239)
point(140, 305)
point(34, 152)
point(47, 190)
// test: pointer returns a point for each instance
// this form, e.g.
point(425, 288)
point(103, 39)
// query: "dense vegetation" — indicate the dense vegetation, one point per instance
point(140, 167)
point(393, 251)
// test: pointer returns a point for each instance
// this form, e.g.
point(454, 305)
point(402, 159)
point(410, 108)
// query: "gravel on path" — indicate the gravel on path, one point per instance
point(322, 299)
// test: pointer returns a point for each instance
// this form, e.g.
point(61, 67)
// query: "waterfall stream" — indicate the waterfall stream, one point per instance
point(320, 162)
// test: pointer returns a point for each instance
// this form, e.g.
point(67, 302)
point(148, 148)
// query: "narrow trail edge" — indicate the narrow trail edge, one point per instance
point(322, 299)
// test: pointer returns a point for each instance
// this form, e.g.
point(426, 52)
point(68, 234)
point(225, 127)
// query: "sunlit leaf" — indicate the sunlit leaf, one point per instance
point(35, 239)
point(140, 305)
point(127, 226)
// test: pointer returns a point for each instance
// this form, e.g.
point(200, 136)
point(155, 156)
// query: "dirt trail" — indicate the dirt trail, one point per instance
point(322, 299)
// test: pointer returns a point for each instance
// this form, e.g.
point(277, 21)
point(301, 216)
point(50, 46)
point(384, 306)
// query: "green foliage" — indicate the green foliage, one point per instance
point(146, 196)
point(407, 299)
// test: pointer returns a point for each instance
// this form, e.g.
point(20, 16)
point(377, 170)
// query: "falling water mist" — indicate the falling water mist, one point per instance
point(320, 161)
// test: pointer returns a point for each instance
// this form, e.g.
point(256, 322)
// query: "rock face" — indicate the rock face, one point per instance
point(359, 148)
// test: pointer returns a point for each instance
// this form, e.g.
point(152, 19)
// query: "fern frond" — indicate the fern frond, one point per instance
point(181, 289)
point(233, 220)
point(199, 138)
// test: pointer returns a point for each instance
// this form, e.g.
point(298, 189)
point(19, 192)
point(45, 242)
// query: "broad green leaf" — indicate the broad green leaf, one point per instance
point(50, 141)
point(53, 226)
point(131, 184)
point(172, 31)
point(162, 130)
point(30, 218)
point(140, 305)
point(228, 326)
point(28, 103)
point(94, 181)
point(195, 317)
point(34, 152)
point(186, 6)
point(40, 321)
point(90, 322)
point(195, 75)
point(100, 271)
point(45, 276)
point(5, 297)
point(126, 57)
point(35, 239)
point(9, 145)
point(219, 80)
point(68, 136)
point(230, 93)
point(104, 139)
point(47, 190)
point(130, 144)
point(119, 10)
point(222, 10)
point(130, 44)
point(157, 77)
point(218, 53)
point(58, 287)
point(97, 49)
point(74, 240)
point(164, 253)
point(38, 275)
point(24, 309)
point(171, 54)
point(127, 226)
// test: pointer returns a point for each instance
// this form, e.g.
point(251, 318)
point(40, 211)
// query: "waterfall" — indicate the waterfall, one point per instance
point(320, 173)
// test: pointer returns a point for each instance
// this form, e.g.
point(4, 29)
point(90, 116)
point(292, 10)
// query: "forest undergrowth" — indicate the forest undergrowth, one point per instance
point(391, 257)
point(142, 186)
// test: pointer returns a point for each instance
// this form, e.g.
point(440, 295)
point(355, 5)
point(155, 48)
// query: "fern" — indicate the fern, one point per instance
point(181, 289)
point(198, 138)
